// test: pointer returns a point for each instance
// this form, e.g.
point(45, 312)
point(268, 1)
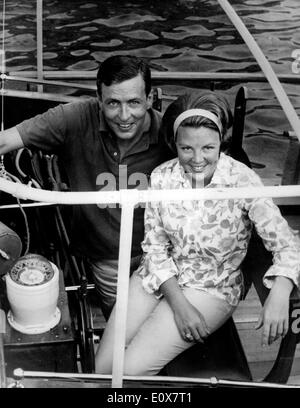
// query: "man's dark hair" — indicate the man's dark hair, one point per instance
point(120, 68)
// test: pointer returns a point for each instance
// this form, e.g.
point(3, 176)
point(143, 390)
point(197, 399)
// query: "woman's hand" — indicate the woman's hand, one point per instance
point(190, 323)
point(189, 320)
point(275, 314)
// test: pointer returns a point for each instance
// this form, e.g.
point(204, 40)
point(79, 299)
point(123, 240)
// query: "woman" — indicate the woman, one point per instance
point(189, 282)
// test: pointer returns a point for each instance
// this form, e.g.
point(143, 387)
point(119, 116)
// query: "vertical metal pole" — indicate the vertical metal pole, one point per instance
point(3, 382)
point(122, 294)
point(3, 70)
point(39, 41)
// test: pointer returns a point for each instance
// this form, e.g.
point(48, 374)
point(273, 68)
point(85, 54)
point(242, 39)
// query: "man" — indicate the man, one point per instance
point(104, 143)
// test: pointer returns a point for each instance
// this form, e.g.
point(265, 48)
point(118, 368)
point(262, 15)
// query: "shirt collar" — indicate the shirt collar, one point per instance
point(178, 174)
point(221, 176)
point(102, 122)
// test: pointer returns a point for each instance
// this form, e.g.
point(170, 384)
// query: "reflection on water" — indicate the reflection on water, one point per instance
point(173, 36)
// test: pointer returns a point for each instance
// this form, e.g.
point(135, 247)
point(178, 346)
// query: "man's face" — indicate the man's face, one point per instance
point(125, 107)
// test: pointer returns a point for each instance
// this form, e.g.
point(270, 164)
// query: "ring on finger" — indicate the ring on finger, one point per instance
point(189, 336)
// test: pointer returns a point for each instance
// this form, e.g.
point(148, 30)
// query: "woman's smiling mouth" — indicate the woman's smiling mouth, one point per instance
point(197, 169)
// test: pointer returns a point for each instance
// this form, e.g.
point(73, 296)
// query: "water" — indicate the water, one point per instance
point(173, 35)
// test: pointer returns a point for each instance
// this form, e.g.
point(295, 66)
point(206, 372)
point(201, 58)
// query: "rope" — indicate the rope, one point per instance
point(31, 181)
point(26, 226)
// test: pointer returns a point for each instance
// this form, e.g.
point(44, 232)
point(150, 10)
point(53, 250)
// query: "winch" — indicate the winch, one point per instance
point(32, 290)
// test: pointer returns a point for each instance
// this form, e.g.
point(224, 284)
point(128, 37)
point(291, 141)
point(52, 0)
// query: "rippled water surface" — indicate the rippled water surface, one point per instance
point(173, 35)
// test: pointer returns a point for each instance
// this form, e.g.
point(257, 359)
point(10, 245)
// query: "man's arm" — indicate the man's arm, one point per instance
point(10, 139)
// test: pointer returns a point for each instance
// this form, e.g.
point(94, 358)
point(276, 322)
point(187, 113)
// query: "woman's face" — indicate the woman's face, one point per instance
point(198, 152)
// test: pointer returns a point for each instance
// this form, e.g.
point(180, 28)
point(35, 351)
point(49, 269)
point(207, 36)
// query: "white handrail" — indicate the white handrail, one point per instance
point(20, 374)
point(168, 76)
point(142, 196)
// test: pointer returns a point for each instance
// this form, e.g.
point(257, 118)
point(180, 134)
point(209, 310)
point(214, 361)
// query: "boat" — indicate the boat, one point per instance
point(63, 356)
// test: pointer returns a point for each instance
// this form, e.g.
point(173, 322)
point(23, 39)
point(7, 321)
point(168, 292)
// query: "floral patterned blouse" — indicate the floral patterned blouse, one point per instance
point(202, 243)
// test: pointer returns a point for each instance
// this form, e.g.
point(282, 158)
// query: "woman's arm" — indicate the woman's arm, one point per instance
point(274, 317)
point(157, 265)
point(159, 271)
point(284, 274)
point(277, 238)
point(188, 319)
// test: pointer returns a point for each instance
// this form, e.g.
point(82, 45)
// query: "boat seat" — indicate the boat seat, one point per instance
point(157, 99)
point(235, 147)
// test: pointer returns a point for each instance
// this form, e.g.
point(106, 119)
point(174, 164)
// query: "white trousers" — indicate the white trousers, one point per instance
point(152, 337)
point(105, 275)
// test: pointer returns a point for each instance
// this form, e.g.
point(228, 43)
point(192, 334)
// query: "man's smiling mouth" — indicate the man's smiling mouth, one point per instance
point(125, 126)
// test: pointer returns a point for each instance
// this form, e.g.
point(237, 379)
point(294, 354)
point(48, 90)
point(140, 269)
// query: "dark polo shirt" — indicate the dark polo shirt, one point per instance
point(78, 134)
